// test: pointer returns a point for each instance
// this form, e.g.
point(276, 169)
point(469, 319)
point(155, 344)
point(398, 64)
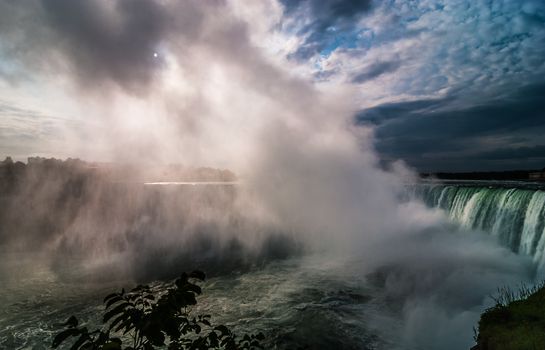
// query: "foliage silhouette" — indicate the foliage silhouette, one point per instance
point(144, 319)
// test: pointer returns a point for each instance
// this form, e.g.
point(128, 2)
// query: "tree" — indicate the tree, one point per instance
point(143, 319)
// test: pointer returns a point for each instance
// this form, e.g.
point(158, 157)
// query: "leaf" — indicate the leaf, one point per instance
point(154, 335)
point(117, 320)
point(228, 343)
point(113, 300)
point(82, 339)
point(194, 288)
point(171, 328)
point(102, 337)
point(213, 337)
point(139, 288)
point(188, 298)
point(198, 275)
point(127, 324)
point(116, 310)
point(109, 296)
point(59, 338)
point(72, 322)
point(112, 346)
point(180, 283)
point(222, 329)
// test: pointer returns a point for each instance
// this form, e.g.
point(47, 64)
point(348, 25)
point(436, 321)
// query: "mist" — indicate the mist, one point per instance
point(160, 82)
point(168, 82)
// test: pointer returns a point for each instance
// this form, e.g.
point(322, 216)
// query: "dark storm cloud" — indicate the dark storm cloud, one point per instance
point(116, 42)
point(437, 135)
point(537, 151)
point(327, 19)
point(95, 42)
point(375, 70)
point(382, 113)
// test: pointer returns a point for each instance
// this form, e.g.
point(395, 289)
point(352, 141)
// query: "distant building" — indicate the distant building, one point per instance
point(538, 175)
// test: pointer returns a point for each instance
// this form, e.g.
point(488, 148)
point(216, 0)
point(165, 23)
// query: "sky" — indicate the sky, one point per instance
point(454, 85)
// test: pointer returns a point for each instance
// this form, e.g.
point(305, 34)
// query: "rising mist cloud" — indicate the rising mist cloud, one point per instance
point(214, 96)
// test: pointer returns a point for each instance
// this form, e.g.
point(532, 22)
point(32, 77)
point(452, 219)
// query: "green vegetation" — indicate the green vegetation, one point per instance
point(516, 322)
point(144, 319)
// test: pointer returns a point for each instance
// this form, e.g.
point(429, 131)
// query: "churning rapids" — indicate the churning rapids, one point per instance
point(426, 291)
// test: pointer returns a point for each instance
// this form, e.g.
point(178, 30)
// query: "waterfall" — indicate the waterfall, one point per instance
point(516, 216)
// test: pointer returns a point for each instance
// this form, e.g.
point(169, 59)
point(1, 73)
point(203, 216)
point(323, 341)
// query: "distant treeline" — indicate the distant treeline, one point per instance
point(103, 217)
point(523, 175)
point(86, 213)
point(13, 173)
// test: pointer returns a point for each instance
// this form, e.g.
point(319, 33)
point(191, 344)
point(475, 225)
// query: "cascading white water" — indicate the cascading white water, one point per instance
point(515, 215)
point(533, 223)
